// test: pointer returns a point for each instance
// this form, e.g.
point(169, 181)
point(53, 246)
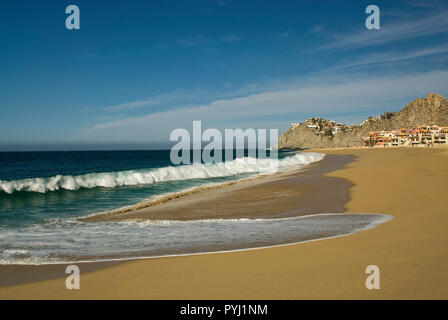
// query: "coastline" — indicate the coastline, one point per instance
point(410, 250)
point(286, 194)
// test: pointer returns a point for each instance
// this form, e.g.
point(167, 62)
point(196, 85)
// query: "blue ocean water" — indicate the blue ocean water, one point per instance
point(37, 186)
point(24, 207)
point(42, 194)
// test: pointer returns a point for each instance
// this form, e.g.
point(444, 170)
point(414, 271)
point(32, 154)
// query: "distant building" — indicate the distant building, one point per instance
point(422, 135)
point(323, 126)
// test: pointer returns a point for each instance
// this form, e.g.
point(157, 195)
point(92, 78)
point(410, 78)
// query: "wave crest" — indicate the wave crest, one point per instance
point(149, 176)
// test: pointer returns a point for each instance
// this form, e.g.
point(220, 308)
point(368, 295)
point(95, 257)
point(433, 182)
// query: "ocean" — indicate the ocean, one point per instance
point(43, 193)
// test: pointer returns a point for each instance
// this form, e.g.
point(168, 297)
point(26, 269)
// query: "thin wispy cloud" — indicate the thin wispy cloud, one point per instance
point(193, 41)
point(231, 38)
point(343, 96)
point(312, 62)
point(221, 3)
point(286, 34)
point(317, 29)
point(417, 27)
point(384, 57)
point(159, 99)
point(202, 40)
point(423, 4)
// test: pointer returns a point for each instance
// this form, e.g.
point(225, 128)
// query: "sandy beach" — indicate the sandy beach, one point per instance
point(408, 183)
point(280, 195)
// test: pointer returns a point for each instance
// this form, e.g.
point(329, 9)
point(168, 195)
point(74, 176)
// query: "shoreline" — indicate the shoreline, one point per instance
point(284, 194)
point(381, 218)
point(306, 179)
point(410, 250)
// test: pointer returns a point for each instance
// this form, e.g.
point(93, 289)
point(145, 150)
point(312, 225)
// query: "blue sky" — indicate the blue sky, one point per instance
point(138, 69)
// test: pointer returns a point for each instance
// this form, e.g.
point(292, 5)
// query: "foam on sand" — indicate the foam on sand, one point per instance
point(62, 241)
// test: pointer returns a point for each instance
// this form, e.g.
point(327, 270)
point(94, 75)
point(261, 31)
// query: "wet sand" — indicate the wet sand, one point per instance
point(280, 195)
point(407, 183)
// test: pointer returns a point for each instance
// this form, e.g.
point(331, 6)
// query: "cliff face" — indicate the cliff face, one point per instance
point(302, 137)
point(422, 111)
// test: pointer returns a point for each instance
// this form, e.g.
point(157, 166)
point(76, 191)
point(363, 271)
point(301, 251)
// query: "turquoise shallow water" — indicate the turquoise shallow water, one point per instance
point(74, 241)
point(37, 186)
point(42, 194)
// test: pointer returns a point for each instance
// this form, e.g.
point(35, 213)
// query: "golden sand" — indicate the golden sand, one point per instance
point(409, 183)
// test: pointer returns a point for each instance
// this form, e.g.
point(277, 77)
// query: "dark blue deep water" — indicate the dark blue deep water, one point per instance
point(37, 186)
point(42, 194)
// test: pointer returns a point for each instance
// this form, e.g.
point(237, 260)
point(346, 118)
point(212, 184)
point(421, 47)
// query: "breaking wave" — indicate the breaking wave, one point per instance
point(149, 176)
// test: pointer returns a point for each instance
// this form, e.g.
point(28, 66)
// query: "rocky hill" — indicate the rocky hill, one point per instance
point(422, 111)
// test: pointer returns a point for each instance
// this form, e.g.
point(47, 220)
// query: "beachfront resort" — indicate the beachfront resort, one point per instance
point(420, 136)
point(324, 126)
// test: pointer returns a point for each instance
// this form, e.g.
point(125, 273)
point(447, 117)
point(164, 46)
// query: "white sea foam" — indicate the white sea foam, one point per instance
point(149, 176)
point(69, 240)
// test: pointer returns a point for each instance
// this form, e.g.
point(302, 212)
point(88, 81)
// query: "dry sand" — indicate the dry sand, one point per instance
point(409, 183)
